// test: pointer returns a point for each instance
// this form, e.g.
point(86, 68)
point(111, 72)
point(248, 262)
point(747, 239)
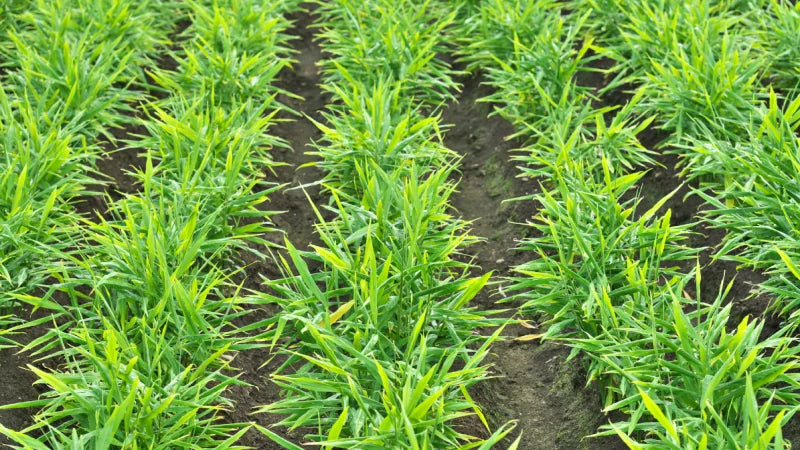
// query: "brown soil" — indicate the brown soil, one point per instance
point(118, 162)
point(17, 380)
point(533, 384)
point(488, 177)
point(297, 220)
point(17, 387)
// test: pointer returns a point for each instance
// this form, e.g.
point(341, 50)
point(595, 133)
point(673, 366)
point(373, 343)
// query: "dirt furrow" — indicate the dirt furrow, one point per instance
point(535, 385)
point(297, 221)
point(17, 387)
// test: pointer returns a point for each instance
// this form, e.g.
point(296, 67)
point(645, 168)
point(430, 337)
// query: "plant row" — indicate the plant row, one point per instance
point(64, 67)
point(723, 78)
point(380, 342)
point(607, 277)
point(143, 298)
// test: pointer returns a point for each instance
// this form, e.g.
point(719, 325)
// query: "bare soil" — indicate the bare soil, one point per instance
point(17, 380)
point(534, 383)
point(297, 221)
point(18, 386)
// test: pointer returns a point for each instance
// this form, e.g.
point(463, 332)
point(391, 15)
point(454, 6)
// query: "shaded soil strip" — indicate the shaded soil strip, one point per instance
point(297, 222)
point(299, 219)
point(535, 384)
point(17, 387)
point(117, 162)
point(17, 379)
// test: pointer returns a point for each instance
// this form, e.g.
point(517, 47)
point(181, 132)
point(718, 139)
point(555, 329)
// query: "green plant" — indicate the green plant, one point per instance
point(595, 250)
point(531, 55)
point(139, 28)
point(532, 52)
point(687, 382)
point(780, 26)
point(208, 162)
point(569, 130)
point(704, 83)
point(43, 171)
point(379, 342)
point(116, 392)
point(388, 40)
point(499, 30)
point(235, 52)
point(388, 325)
point(84, 55)
point(756, 201)
point(142, 297)
point(148, 290)
point(370, 129)
point(603, 279)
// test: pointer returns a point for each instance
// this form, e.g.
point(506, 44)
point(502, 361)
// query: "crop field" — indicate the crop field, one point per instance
point(399, 224)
